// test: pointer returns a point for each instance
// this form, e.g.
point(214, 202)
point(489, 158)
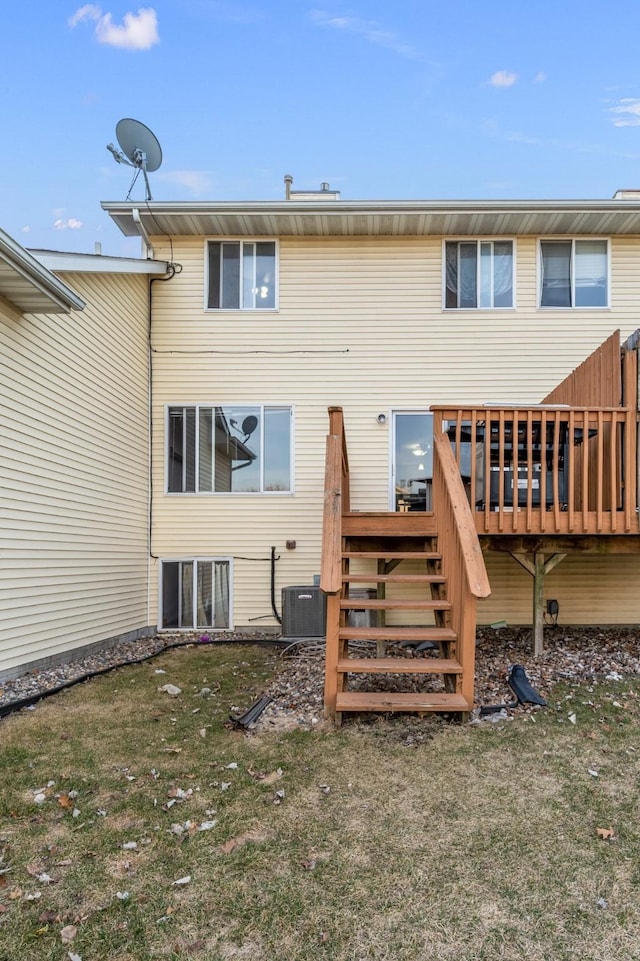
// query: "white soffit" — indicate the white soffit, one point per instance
point(380, 218)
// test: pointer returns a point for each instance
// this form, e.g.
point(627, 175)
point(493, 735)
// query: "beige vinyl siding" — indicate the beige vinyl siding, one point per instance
point(73, 473)
point(360, 324)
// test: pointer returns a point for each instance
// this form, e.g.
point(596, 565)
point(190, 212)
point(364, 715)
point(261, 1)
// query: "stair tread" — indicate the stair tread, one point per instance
point(387, 701)
point(399, 665)
point(397, 633)
point(393, 579)
point(395, 555)
point(361, 604)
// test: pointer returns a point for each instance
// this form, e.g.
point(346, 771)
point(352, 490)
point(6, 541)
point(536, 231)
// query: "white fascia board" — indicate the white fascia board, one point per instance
point(37, 275)
point(63, 262)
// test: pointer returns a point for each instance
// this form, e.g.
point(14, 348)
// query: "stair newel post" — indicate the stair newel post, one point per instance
point(336, 487)
point(331, 658)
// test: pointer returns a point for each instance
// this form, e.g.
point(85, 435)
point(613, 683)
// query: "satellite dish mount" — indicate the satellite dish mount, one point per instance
point(139, 149)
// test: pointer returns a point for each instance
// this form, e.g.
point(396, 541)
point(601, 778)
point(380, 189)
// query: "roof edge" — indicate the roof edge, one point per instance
point(27, 266)
point(67, 262)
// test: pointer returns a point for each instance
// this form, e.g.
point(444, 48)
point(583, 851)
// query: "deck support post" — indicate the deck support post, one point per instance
point(538, 567)
point(538, 603)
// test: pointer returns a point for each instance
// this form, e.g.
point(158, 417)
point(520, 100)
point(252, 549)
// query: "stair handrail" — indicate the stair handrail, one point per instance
point(462, 561)
point(453, 514)
point(336, 502)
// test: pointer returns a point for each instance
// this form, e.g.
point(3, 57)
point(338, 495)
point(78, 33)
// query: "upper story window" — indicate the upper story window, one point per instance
point(574, 273)
point(241, 275)
point(478, 273)
point(228, 449)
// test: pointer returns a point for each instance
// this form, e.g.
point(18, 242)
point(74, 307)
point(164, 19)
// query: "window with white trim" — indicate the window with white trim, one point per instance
point(574, 273)
point(478, 274)
point(228, 449)
point(195, 594)
point(241, 274)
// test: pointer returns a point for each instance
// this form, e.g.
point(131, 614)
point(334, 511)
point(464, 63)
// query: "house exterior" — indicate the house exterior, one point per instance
point(74, 493)
point(280, 310)
point(167, 441)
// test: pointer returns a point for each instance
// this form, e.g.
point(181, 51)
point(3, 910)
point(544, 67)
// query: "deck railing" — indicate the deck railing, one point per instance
point(462, 560)
point(546, 469)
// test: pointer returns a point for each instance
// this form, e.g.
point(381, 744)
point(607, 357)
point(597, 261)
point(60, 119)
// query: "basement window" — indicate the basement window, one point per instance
point(195, 594)
point(229, 450)
point(478, 274)
point(241, 275)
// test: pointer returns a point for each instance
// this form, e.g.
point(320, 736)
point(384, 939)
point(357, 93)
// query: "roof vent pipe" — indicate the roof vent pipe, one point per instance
point(288, 183)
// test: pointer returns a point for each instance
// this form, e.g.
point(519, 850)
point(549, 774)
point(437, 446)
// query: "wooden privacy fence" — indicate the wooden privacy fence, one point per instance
point(546, 469)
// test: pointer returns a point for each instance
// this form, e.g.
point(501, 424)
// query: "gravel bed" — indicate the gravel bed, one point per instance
point(579, 654)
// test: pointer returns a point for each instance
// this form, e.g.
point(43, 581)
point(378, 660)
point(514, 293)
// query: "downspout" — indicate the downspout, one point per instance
point(171, 272)
point(135, 215)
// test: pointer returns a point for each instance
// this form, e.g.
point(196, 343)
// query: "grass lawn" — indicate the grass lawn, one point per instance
point(136, 825)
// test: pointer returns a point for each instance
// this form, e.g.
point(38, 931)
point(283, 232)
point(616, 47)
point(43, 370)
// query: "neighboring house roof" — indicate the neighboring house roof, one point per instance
point(63, 262)
point(29, 286)
point(383, 218)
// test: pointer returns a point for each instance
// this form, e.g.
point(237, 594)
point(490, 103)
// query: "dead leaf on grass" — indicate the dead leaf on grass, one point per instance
point(240, 840)
point(607, 834)
point(68, 933)
point(48, 917)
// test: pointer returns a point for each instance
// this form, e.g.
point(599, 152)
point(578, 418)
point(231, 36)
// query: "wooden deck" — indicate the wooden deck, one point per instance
point(536, 482)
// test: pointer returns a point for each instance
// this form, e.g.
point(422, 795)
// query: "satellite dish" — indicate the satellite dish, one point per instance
point(249, 424)
point(140, 149)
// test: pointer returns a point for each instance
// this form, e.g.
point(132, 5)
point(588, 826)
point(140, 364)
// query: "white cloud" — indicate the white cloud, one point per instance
point(26, 229)
point(503, 78)
point(369, 30)
point(626, 113)
point(138, 31)
point(540, 77)
point(71, 223)
point(89, 12)
point(197, 181)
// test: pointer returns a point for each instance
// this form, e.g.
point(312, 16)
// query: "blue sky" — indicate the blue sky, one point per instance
point(412, 100)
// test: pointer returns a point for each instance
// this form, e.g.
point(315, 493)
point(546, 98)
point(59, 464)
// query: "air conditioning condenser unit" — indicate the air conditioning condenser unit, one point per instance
point(303, 612)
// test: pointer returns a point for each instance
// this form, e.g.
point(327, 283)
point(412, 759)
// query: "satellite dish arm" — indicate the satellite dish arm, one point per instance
point(118, 155)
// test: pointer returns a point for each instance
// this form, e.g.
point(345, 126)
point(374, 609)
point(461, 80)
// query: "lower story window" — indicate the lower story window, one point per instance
point(229, 449)
point(195, 594)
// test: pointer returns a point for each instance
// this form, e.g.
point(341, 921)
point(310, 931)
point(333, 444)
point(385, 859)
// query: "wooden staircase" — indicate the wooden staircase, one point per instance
point(416, 650)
